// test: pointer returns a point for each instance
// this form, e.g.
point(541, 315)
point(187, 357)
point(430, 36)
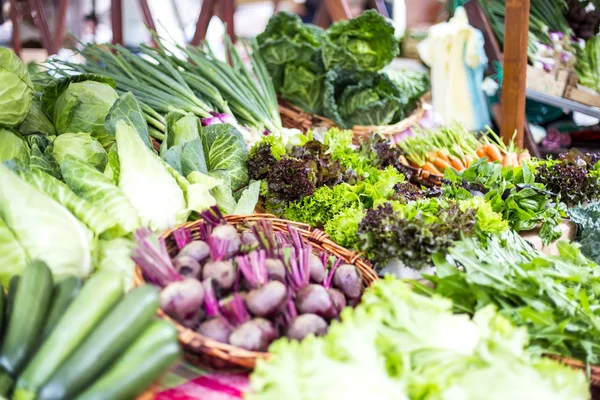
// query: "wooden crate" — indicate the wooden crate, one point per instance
point(553, 83)
point(581, 96)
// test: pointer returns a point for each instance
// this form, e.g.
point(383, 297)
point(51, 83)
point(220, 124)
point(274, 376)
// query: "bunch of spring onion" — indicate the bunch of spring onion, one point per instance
point(453, 146)
point(201, 83)
point(247, 288)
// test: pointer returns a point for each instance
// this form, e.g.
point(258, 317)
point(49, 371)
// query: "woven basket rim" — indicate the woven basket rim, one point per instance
point(237, 355)
point(579, 365)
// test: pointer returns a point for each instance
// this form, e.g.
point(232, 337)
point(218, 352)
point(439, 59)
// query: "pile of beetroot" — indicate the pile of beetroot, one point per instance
point(247, 288)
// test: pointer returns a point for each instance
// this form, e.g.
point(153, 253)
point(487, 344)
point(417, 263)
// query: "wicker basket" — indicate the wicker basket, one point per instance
point(294, 117)
point(206, 352)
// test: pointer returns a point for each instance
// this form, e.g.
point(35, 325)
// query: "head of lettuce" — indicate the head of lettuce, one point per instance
point(16, 89)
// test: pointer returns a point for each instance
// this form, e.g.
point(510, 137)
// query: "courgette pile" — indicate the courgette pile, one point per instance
point(67, 341)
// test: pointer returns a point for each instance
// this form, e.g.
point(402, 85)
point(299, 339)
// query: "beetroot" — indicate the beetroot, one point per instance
point(248, 239)
point(193, 321)
point(182, 299)
point(266, 300)
point(216, 328)
point(314, 299)
point(338, 299)
point(348, 279)
point(187, 266)
point(197, 249)
point(304, 325)
point(254, 335)
point(316, 268)
point(221, 272)
point(275, 269)
point(230, 234)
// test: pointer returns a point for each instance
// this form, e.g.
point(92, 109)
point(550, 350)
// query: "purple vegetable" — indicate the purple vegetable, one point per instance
point(182, 237)
point(226, 233)
point(254, 335)
point(216, 328)
point(317, 269)
point(314, 299)
point(187, 266)
point(248, 239)
point(305, 325)
point(297, 266)
point(275, 269)
point(197, 249)
point(152, 256)
point(193, 321)
point(338, 299)
point(224, 118)
point(222, 273)
point(263, 232)
point(266, 300)
point(213, 217)
point(182, 299)
point(211, 303)
point(348, 279)
point(234, 310)
point(254, 268)
point(210, 121)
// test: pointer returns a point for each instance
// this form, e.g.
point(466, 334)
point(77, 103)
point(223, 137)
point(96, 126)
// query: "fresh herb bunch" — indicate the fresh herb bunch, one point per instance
point(385, 234)
point(555, 297)
point(573, 177)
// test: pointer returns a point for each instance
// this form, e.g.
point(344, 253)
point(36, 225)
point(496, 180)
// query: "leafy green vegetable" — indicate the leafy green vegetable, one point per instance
point(36, 121)
point(12, 146)
point(41, 156)
point(12, 255)
point(146, 182)
point(303, 85)
point(115, 255)
point(45, 229)
point(225, 149)
point(553, 296)
point(400, 345)
point(287, 41)
point(342, 227)
point(588, 64)
point(127, 108)
point(362, 98)
point(182, 148)
point(412, 84)
point(89, 184)
point(364, 43)
point(81, 106)
point(80, 145)
point(16, 89)
point(588, 229)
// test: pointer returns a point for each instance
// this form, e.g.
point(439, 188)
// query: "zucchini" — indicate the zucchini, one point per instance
point(99, 294)
point(149, 356)
point(10, 297)
point(107, 341)
point(2, 306)
point(27, 316)
point(62, 295)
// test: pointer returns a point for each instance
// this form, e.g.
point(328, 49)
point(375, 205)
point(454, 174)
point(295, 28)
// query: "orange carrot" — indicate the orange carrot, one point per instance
point(431, 168)
point(457, 164)
point(431, 156)
point(443, 155)
point(493, 152)
point(510, 159)
point(481, 152)
point(441, 164)
point(468, 160)
point(524, 155)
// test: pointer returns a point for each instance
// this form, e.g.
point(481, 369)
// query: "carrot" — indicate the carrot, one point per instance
point(481, 152)
point(431, 168)
point(468, 160)
point(441, 163)
point(493, 152)
point(431, 156)
point(524, 155)
point(457, 164)
point(403, 160)
point(510, 160)
point(443, 155)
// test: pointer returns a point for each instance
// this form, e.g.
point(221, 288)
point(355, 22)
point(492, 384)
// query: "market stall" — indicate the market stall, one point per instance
point(291, 218)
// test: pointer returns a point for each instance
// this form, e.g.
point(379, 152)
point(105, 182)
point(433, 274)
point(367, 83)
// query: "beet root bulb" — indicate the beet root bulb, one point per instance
point(217, 329)
point(266, 300)
point(254, 335)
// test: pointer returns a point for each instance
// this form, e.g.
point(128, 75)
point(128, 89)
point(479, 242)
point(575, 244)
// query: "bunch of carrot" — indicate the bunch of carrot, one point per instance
point(455, 147)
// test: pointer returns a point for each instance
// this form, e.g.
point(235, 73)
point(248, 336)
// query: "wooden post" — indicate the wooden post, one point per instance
point(116, 20)
point(338, 9)
point(516, 33)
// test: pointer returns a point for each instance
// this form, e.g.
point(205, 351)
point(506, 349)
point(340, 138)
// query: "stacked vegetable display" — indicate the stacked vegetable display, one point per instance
point(247, 288)
point(64, 341)
point(338, 72)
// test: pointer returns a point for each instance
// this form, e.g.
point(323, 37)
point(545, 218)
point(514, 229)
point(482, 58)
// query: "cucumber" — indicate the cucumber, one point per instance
point(63, 294)
point(27, 316)
point(149, 356)
point(107, 342)
point(10, 297)
point(99, 294)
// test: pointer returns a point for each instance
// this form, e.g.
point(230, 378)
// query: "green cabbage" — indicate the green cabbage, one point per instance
point(80, 145)
point(12, 146)
point(303, 85)
point(16, 89)
point(37, 121)
point(182, 148)
point(115, 256)
point(129, 109)
point(364, 43)
point(83, 107)
point(41, 157)
point(89, 184)
point(45, 229)
point(146, 182)
point(13, 257)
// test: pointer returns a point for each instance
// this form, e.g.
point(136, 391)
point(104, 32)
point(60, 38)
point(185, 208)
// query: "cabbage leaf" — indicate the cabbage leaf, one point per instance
point(115, 255)
point(37, 121)
point(89, 184)
point(41, 156)
point(80, 145)
point(127, 108)
point(12, 146)
point(182, 148)
point(16, 89)
point(45, 229)
point(13, 257)
point(146, 182)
